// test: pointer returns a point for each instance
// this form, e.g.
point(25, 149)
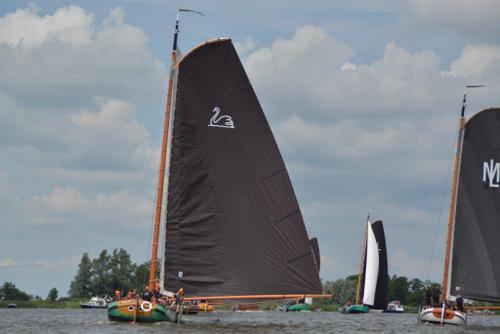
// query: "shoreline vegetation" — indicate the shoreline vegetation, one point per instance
point(323, 306)
point(108, 272)
point(318, 305)
point(72, 303)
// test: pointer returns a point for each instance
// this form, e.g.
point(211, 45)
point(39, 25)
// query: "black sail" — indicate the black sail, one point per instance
point(315, 249)
point(475, 266)
point(234, 225)
point(382, 289)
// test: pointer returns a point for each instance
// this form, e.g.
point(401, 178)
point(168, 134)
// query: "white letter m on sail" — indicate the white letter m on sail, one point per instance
point(491, 173)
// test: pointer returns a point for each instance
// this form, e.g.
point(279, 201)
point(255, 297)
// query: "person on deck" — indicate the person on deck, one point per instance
point(179, 297)
point(459, 303)
point(156, 292)
point(436, 295)
point(117, 294)
point(428, 298)
point(147, 294)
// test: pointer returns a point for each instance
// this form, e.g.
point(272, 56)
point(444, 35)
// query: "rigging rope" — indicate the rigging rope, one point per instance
point(436, 232)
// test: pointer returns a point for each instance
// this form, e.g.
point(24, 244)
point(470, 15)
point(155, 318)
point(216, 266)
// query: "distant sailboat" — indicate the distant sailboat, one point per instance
point(373, 285)
point(234, 230)
point(472, 257)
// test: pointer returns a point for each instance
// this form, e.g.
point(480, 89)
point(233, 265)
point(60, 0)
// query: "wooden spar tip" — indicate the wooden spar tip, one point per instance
point(276, 296)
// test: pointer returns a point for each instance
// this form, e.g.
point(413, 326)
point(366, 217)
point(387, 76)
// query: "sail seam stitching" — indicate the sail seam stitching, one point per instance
point(299, 257)
point(254, 133)
point(287, 216)
point(237, 88)
point(281, 170)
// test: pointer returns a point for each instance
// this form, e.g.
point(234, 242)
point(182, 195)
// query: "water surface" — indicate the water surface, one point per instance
point(95, 321)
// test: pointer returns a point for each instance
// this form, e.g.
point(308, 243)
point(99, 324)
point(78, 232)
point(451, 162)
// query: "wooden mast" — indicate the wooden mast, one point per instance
point(362, 264)
point(453, 199)
point(161, 174)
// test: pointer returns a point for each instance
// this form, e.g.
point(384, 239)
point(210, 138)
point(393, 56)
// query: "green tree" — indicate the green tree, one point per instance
point(53, 294)
point(81, 286)
point(141, 276)
point(398, 289)
point(122, 270)
point(342, 289)
point(109, 272)
point(8, 291)
point(416, 292)
point(101, 275)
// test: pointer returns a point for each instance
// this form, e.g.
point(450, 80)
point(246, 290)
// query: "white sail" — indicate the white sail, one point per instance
point(371, 269)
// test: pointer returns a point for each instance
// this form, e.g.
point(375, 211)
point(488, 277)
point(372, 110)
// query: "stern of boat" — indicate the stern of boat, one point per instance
point(435, 315)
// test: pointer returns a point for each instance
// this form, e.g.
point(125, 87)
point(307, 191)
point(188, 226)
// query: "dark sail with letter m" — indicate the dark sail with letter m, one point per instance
point(234, 225)
point(475, 265)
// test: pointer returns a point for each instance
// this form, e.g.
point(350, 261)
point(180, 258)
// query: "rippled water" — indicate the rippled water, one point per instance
point(95, 321)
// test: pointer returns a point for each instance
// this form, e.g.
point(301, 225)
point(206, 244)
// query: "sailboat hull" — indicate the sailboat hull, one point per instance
point(354, 309)
point(138, 311)
point(434, 315)
point(300, 307)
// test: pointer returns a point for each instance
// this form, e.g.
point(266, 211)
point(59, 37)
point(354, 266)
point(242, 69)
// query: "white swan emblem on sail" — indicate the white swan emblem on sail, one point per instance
point(222, 121)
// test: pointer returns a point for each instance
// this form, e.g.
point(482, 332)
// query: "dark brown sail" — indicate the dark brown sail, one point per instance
point(475, 265)
point(233, 222)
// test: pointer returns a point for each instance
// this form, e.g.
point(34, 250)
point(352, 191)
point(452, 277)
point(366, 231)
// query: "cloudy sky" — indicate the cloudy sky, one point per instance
point(362, 96)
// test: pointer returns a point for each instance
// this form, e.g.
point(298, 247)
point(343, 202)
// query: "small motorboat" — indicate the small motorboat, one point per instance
point(395, 307)
point(12, 305)
point(205, 307)
point(95, 302)
point(194, 307)
point(190, 308)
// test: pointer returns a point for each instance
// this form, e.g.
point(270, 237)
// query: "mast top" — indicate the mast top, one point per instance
point(369, 211)
point(189, 11)
point(464, 102)
point(176, 31)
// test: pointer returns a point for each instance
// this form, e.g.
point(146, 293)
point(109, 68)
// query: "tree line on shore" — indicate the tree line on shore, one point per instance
point(99, 276)
point(408, 292)
point(109, 272)
point(9, 291)
point(106, 273)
